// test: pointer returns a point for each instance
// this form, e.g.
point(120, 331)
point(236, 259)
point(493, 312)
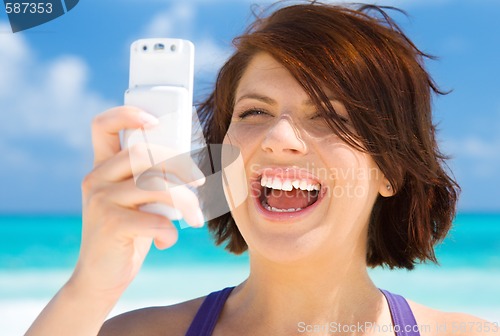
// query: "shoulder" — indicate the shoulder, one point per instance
point(168, 320)
point(438, 323)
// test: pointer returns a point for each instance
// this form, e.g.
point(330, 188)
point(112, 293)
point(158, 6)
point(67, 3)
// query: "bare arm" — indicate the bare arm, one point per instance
point(116, 235)
point(437, 323)
point(171, 320)
point(73, 311)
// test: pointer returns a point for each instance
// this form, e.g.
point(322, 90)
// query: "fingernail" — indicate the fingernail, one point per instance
point(199, 218)
point(198, 176)
point(149, 119)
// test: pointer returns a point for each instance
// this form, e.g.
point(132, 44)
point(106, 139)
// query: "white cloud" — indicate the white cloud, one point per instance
point(13, 157)
point(473, 147)
point(13, 55)
point(44, 100)
point(179, 20)
point(476, 163)
point(66, 79)
point(175, 20)
point(475, 156)
point(476, 147)
point(209, 56)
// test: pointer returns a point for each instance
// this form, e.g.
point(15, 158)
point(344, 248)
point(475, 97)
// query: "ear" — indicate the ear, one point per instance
point(385, 188)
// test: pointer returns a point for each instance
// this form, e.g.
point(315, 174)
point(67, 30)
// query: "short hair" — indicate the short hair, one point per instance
point(361, 55)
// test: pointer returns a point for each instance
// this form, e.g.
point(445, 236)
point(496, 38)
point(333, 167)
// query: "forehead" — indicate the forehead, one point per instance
point(266, 79)
point(265, 73)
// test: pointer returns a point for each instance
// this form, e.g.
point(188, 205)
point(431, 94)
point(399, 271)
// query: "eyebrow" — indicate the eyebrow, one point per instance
point(259, 97)
point(272, 102)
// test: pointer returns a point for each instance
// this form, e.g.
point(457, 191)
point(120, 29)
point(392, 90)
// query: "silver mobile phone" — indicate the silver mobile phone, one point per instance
point(161, 83)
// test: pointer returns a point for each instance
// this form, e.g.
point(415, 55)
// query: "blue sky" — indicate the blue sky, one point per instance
point(56, 77)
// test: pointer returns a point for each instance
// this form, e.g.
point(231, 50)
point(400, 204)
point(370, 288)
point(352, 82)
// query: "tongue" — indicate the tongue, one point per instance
point(295, 198)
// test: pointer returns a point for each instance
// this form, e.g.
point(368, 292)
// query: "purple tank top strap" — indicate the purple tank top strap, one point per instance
point(402, 316)
point(206, 318)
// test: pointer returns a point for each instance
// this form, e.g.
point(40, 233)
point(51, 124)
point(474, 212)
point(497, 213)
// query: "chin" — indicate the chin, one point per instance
point(290, 242)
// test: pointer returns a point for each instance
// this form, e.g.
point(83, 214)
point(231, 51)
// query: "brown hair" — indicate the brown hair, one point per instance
point(365, 59)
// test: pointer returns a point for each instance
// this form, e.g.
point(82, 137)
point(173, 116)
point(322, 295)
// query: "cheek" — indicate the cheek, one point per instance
point(233, 176)
point(245, 137)
point(238, 144)
point(236, 180)
point(352, 173)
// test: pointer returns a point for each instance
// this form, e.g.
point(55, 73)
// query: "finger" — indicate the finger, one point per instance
point(188, 204)
point(150, 226)
point(128, 195)
point(107, 125)
point(153, 158)
point(136, 161)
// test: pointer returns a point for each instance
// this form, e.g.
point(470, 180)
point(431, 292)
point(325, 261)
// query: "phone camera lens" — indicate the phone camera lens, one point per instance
point(159, 47)
point(145, 47)
point(173, 47)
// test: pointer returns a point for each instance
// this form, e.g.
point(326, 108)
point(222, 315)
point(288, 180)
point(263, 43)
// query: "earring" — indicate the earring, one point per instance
point(388, 187)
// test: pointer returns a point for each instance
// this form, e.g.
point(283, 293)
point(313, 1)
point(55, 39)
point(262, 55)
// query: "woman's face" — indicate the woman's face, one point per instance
point(318, 192)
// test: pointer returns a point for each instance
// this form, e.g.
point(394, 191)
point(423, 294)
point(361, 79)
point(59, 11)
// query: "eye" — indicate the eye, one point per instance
point(321, 117)
point(252, 112)
point(343, 119)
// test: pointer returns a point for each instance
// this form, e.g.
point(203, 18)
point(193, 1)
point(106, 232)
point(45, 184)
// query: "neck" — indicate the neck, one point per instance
point(315, 292)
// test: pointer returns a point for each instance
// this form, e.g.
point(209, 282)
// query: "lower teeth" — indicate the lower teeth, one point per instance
point(273, 209)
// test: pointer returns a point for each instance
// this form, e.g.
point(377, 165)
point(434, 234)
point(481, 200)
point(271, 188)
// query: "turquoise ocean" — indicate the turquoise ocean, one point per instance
point(38, 253)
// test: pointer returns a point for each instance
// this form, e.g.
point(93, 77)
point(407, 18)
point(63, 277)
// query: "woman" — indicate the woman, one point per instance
point(330, 108)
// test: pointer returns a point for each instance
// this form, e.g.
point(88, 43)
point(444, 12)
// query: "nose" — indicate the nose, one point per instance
point(284, 137)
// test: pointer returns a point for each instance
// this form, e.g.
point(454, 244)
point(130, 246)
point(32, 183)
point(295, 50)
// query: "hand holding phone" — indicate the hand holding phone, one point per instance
point(161, 83)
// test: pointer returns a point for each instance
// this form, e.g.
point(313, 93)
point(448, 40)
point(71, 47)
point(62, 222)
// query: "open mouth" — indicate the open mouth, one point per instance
point(282, 194)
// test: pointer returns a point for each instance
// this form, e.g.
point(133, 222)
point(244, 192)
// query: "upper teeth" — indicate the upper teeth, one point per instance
point(287, 184)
